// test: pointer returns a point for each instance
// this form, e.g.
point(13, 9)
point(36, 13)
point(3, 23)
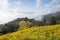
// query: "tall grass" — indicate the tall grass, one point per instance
point(35, 33)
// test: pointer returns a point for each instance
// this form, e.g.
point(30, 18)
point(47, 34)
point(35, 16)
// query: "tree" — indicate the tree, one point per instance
point(25, 25)
point(25, 19)
point(52, 20)
point(11, 27)
point(44, 21)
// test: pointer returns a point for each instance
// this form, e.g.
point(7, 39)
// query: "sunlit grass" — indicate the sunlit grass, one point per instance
point(35, 33)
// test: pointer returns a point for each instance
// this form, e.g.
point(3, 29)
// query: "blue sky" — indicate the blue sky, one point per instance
point(24, 3)
point(27, 3)
point(11, 9)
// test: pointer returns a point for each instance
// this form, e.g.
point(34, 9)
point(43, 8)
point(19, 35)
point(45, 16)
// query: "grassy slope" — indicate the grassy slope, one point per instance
point(35, 33)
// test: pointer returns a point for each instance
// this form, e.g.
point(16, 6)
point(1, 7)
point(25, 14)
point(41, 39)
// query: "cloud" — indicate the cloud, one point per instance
point(6, 17)
point(17, 3)
point(3, 7)
point(7, 14)
point(51, 7)
point(38, 3)
point(4, 3)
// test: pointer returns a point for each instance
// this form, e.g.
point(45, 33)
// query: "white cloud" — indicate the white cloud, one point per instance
point(53, 6)
point(22, 10)
point(38, 3)
point(5, 17)
point(7, 14)
point(17, 3)
point(4, 3)
point(56, 1)
point(58, 7)
point(3, 7)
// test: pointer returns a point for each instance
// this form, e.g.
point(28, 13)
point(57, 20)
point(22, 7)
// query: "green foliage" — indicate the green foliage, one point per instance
point(36, 23)
point(11, 27)
point(55, 18)
point(24, 25)
point(58, 21)
point(52, 20)
point(25, 19)
point(29, 24)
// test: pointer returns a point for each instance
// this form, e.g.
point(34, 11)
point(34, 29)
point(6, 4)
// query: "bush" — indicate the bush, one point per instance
point(52, 20)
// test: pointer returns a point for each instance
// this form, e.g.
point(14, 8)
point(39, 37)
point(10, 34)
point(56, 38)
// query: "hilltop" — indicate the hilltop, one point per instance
point(35, 33)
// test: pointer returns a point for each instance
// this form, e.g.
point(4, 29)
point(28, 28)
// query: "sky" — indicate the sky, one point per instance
point(12, 9)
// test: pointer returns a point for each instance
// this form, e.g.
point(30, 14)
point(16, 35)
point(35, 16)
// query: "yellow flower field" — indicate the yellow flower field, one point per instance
point(35, 33)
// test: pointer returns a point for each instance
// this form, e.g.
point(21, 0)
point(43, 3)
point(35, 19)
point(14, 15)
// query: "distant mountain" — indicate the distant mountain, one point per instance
point(56, 14)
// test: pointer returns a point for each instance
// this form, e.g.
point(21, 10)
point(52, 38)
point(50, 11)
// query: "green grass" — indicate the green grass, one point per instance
point(35, 33)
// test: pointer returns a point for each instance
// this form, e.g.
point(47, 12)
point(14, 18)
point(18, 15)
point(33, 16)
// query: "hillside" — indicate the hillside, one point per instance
point(56, 14)
point(24, 25)
point(35, 33)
